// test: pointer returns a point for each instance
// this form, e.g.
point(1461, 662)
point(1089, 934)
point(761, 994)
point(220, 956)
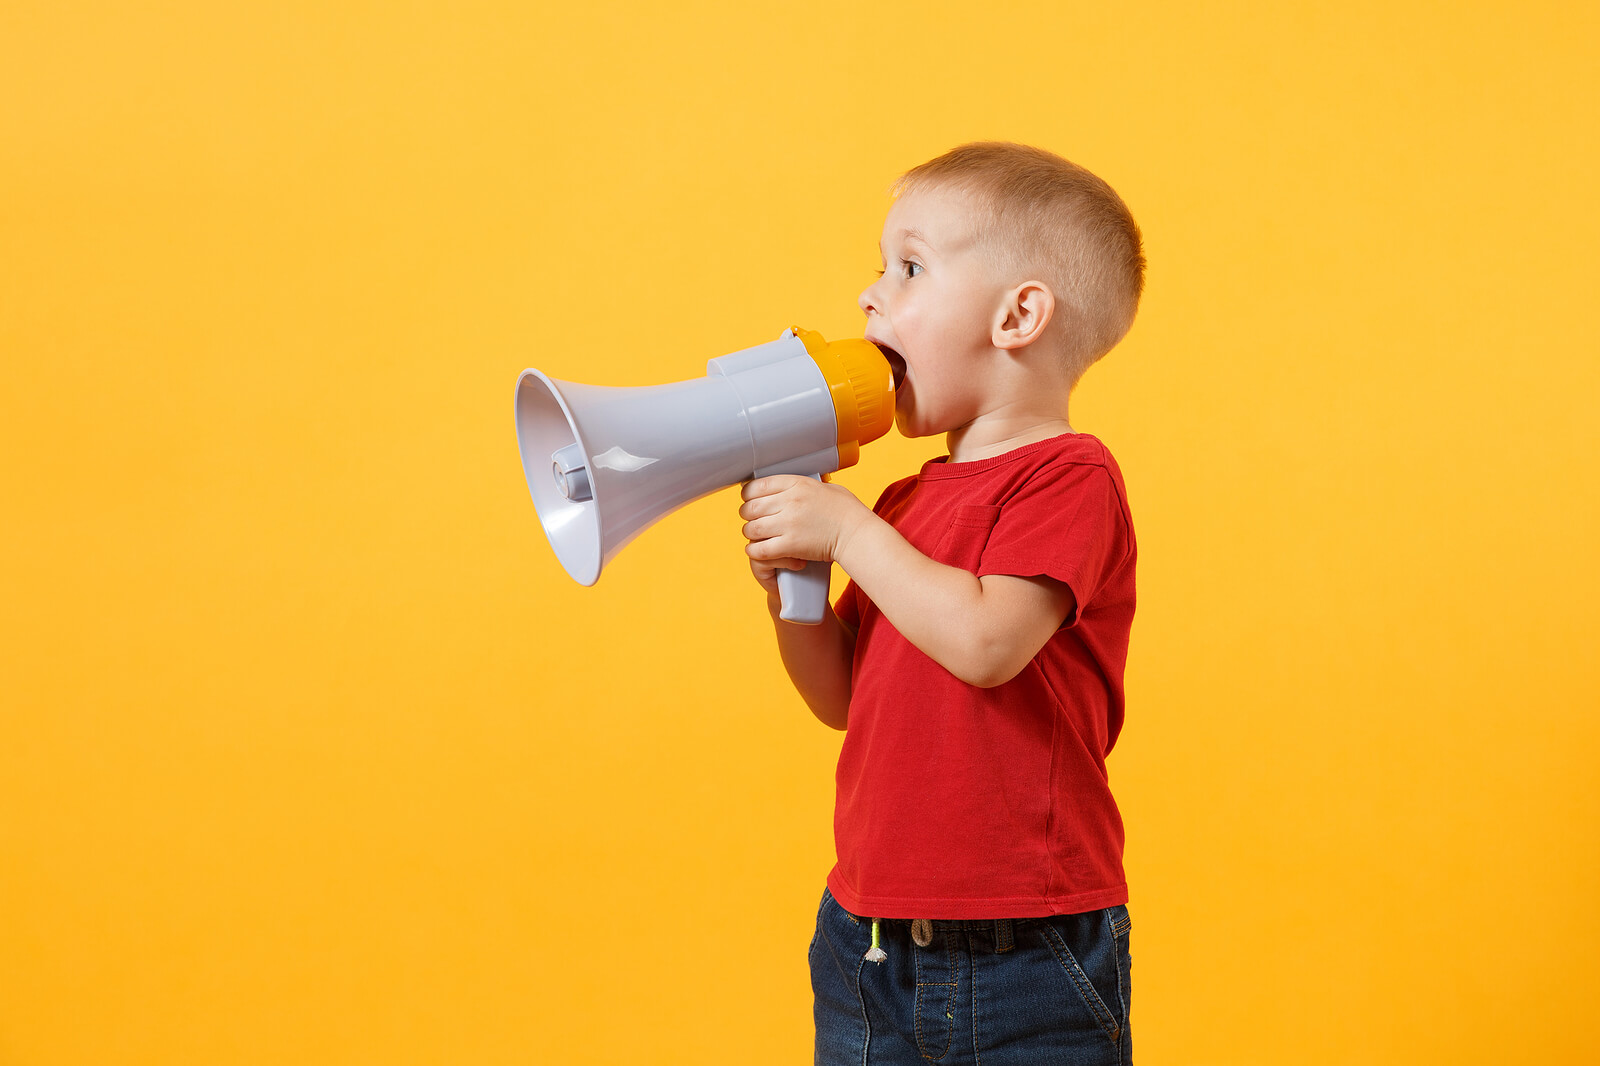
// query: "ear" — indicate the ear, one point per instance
point(1024, 313)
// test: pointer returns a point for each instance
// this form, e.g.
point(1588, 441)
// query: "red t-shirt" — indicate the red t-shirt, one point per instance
point(961, 802)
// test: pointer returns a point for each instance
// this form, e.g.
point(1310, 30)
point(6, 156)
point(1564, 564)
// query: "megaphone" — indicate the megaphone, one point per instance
point(603, 464)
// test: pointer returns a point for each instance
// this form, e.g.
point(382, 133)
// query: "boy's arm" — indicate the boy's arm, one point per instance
point(819, 660)
point(983, 630)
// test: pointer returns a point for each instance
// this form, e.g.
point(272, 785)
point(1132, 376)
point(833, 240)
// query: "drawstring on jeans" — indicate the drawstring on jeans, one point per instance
point(921, 934)
point(875, 953)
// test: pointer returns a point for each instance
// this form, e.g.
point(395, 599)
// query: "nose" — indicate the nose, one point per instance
point(865, 302)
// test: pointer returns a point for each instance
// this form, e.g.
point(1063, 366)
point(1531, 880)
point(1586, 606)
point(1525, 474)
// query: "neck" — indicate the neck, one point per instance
point(985, 439)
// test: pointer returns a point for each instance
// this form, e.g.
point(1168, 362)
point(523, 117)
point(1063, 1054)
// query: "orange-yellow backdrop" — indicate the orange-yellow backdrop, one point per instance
point(311, 753)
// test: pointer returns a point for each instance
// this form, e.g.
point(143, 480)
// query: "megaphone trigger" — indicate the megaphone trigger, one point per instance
point(603, 464)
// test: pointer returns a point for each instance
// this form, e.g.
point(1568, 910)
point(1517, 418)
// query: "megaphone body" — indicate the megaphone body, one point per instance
point(603, 464)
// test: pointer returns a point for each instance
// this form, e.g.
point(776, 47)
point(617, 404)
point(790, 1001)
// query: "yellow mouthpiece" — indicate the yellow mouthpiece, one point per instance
point(862, 386)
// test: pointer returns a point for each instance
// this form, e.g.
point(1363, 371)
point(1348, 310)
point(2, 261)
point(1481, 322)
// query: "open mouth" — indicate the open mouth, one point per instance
point(897, 363)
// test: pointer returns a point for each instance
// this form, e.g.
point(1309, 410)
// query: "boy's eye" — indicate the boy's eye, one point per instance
point(905, 268)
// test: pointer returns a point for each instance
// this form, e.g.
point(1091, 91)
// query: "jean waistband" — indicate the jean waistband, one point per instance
point(1002, 930)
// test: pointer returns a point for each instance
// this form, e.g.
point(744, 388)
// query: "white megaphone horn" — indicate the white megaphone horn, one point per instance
point(604, 463)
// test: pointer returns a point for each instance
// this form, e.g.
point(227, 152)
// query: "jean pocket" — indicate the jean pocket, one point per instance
point(1079, 977)
point(1120, 922)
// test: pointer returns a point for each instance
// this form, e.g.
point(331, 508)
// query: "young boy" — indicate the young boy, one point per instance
point(977, 912)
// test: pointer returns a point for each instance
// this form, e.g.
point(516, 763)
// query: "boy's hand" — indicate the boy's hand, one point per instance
point(790, 520)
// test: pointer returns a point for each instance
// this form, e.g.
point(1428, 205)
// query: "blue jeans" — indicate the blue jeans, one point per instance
point(986, 993)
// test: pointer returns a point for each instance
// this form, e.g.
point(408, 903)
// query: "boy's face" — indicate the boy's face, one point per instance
point(935, 308)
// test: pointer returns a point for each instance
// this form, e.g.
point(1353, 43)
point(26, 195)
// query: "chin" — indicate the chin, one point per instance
point(909, 428)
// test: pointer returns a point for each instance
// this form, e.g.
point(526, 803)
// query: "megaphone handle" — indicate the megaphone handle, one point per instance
point(804, 593)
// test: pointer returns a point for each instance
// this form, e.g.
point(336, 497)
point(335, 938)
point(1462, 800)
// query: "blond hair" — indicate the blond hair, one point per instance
point(1048, 219)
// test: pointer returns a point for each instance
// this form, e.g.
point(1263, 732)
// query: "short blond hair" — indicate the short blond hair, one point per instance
point(1049, 218)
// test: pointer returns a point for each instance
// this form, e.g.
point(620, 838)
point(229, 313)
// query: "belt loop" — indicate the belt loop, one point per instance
point(1003, 936)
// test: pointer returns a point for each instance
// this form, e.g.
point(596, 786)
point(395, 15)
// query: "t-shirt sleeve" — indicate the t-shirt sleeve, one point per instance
point(1069, 523)
point(847, 607)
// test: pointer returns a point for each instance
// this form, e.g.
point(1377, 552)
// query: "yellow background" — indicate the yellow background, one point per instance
point(309, 750)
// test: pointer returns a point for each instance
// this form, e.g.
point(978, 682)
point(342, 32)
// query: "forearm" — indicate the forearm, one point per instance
point(819, 660)
point(944, 611)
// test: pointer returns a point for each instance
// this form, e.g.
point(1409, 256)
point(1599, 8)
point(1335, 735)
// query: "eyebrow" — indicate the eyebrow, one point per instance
point(913, 235)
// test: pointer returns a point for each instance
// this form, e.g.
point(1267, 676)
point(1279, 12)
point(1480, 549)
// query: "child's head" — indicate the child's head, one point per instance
point(1013, 214)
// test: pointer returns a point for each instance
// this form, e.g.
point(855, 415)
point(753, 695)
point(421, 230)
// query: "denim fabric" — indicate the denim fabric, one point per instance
point(1055, 991)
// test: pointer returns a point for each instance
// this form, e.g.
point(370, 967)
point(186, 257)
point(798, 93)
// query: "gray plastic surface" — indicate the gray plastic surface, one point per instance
point(803, 594)
point(648, 451)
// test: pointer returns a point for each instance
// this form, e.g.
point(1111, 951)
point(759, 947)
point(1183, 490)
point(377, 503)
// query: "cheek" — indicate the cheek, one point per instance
point(911, 326)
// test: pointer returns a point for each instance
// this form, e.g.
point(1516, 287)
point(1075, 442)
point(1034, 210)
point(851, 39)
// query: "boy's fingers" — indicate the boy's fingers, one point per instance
point(770, 554)
point(758, 508)
point(766, 568)
point(766, 486)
